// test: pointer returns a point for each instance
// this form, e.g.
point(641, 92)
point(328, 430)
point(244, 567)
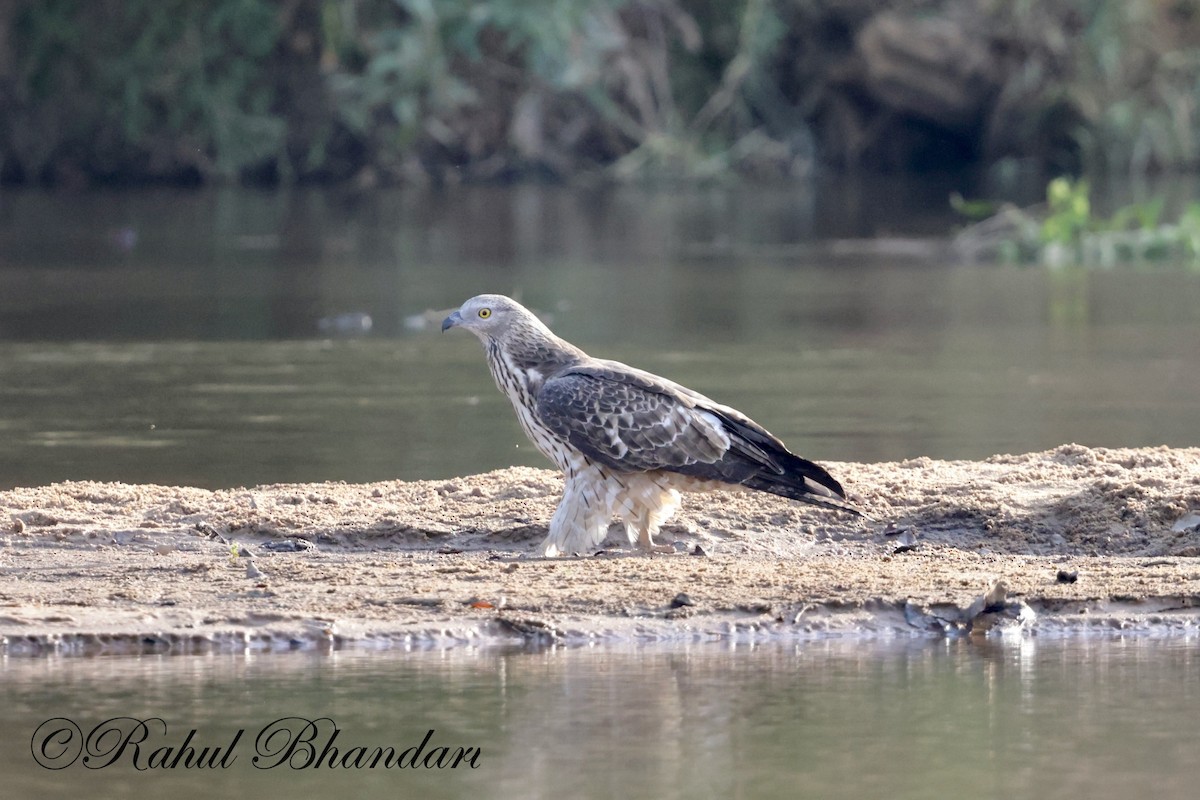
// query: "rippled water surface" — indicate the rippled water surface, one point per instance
point(1109, 718)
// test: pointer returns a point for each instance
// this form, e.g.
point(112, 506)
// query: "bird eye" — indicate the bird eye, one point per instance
point(484, 313)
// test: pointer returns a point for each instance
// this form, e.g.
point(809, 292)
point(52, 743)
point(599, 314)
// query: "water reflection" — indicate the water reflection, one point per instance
point(1102, 719)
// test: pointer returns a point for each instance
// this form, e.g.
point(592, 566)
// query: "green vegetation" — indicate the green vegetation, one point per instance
point(1135, 82)
point(574, 94)
point(180, 84)
point(447, 90)
point(1066, 231)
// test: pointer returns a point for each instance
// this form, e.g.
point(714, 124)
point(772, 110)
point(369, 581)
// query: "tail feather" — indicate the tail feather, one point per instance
point(804, 492)
point(804, 481)
point(758, 460)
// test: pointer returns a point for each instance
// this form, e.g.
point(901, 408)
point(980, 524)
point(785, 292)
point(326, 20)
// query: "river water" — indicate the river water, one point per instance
point(1098, 719)
point(177, 338)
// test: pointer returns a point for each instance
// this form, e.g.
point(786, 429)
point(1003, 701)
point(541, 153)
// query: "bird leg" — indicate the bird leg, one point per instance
point(579, 523)
point(648, 505)
point(657, 548)
point(643, 533)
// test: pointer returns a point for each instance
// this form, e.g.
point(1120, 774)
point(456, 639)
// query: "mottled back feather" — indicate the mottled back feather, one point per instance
point(630, 420)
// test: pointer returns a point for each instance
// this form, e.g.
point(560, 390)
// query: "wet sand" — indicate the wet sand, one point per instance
point(1072, 539)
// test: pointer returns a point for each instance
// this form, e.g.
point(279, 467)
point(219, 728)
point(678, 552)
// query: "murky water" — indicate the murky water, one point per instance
point(1108, 718)
point(175, 337)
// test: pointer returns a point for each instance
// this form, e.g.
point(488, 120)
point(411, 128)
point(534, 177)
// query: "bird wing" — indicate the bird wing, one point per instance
point(631, 421)
point(628, 423)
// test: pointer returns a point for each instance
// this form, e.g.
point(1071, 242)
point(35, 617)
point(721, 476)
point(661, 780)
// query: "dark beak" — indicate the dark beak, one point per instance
point(451, 321)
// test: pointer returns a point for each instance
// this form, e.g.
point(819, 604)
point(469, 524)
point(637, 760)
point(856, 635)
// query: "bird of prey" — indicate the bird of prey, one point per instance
point(628, 442)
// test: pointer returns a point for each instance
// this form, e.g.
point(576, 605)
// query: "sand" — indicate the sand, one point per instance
point(1069, 540)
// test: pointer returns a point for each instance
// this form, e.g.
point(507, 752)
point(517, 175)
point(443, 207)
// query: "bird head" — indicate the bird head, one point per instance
point(490, 316)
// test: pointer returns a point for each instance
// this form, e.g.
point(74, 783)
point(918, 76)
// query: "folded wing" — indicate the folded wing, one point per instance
point(633, 421)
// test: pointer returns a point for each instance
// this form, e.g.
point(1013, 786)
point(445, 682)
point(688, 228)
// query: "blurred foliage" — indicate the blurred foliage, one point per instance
point(1122, 78)
point(632, 86)
point(385, 90)
point(172, 81)
point(403, 88)
point(1137, 82)
point(407, 76)
point(1066, 231)
point(1070, 212)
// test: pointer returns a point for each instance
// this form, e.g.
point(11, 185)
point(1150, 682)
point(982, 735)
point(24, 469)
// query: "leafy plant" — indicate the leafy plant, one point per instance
point(1067, 231)
point(1070, 212)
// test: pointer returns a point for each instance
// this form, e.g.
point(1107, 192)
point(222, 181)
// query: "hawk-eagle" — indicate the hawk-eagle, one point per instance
point(628, 442)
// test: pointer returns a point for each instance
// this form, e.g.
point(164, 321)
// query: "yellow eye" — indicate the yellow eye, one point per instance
point(484, 313)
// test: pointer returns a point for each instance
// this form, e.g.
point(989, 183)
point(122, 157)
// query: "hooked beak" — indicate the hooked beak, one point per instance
point(451, 321)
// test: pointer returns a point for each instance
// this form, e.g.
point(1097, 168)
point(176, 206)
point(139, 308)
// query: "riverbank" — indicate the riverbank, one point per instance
point(1067, 539)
